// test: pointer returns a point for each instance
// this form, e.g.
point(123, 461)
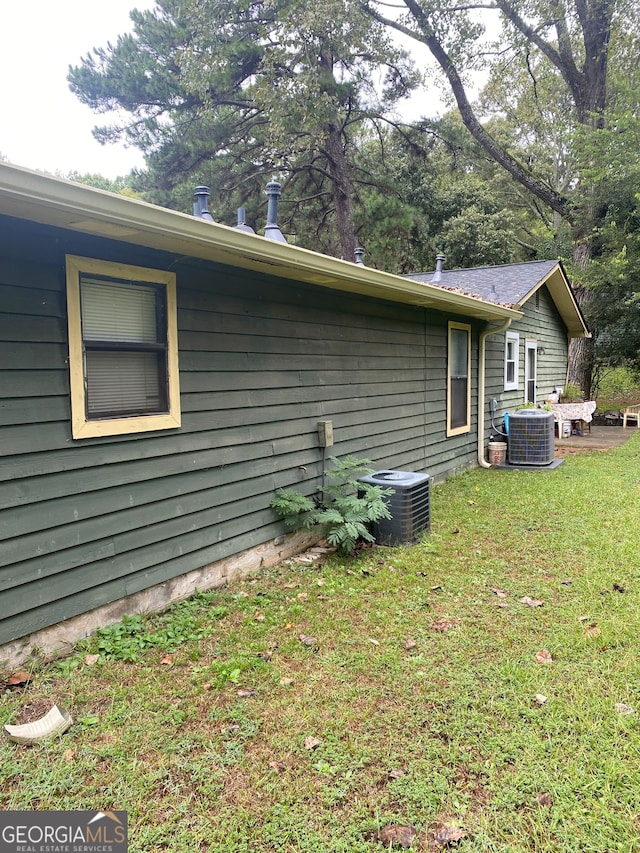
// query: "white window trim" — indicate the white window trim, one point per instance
point(530, 345)
point(515, 338)
point(81, 426)
point(466, 427)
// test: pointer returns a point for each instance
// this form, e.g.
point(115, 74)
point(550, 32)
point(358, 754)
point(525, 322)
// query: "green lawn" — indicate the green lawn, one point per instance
point(419, 689)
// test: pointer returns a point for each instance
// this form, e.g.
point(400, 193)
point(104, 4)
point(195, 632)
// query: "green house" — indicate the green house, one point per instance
point(161, 375)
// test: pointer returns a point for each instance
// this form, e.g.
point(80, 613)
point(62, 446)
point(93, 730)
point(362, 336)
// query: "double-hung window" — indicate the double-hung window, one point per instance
point(458, 379)
point(122, 348)
point(511, 360)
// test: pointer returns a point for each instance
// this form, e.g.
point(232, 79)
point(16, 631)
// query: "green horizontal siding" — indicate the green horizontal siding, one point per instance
point(261, 361)
point(544, 325)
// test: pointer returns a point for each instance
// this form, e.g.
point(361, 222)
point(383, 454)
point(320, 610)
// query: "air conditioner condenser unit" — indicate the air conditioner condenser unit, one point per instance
point(531, 439)
point(409, 506)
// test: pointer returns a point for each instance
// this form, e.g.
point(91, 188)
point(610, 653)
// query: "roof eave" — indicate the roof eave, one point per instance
point(25, 194)
point(564, 299)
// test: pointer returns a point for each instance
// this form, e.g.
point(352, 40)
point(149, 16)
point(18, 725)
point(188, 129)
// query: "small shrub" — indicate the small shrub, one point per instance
point(571, 393)
point(345, 509)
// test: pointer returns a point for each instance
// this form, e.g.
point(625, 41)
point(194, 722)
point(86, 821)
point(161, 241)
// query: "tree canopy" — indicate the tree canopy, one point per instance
point(231, 93)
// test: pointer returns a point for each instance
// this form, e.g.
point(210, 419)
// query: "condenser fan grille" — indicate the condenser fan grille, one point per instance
point(409, 506)
point(531, 438)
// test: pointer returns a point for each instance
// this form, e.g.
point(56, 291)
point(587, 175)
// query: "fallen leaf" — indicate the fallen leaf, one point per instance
point(436, 587)
point(593, 631)
point(621, 708)
point(471, 503)
point(540, 698)
point(323, 598)
point(278, 766)
point(530, 602)
point(502, 604)
point(617, 588)
point(396, 774)
point(319, 582)
point(583, 619)
point(373, 642)
point(290, 586)
point(566, 581)
point(245, 692)
point(260, 617)
point(267, 654)
point(69, 756)
point(18, 679)
point(400, 835)
point(448, 833)
point(167, 660)
point(544, 656)
point(289, 626)
point(233, 727)
point(91, 659)
point(499, 592)
point(366, 572)
point(308, 640)
point(311, 742)
point(544, 799)
point(410, 644)
point(302, 596)
point(456, 530)
point(443, 625)
point(286, 682)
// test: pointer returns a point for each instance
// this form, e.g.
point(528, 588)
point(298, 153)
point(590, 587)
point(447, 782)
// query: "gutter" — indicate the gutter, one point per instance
point(57, 202)
point(481, 386)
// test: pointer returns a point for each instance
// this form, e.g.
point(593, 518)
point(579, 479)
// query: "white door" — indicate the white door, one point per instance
point(530, 368)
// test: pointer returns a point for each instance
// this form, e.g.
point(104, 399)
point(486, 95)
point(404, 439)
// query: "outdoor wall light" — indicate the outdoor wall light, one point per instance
point(540, 350)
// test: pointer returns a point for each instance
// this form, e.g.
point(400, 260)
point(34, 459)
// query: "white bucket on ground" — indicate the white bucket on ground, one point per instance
point(497, 452)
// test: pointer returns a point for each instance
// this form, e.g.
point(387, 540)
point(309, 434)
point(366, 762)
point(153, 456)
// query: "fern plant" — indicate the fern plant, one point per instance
point(345, 509)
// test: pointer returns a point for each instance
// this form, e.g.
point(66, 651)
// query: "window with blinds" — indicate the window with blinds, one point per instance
point(123, 348)
point(458, 376)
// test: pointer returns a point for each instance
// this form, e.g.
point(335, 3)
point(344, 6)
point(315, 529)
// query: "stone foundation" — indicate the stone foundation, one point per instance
point(58, 640)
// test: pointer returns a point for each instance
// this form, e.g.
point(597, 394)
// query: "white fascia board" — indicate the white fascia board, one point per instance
point(54, 201)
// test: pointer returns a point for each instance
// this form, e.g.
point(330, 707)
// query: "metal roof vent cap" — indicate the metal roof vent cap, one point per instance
point(201, 205)
point(359, 253)
point(242, 223)
point(439, 264)
point(271, 230)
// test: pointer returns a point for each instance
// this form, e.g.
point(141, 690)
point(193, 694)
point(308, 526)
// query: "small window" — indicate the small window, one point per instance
point(123, 353)
point(458, 379)
point(511, 360)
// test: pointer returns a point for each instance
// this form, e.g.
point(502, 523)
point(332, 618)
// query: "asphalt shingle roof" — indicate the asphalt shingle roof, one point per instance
point(504, 285)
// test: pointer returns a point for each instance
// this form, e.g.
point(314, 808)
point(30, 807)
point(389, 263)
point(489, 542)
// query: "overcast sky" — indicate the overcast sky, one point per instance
point(42, 124)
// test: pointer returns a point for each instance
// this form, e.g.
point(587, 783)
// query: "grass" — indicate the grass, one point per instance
point(164, 727)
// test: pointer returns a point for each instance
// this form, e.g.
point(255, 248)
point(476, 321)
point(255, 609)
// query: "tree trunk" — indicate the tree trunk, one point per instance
point(581, 353)
point(341, 189)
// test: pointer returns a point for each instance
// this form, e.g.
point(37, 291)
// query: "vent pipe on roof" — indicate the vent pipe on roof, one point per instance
point(359, 253)
point(271, 229)
point(201, 205)
point(242, 224)
point(439, 263)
